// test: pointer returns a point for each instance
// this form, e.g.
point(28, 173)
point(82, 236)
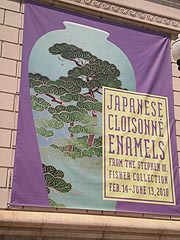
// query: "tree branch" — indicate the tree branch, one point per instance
point(73, 60)
point(97, 90)
point(53, 98)
point(88, 93)
point(61, 59)
point(77, 63)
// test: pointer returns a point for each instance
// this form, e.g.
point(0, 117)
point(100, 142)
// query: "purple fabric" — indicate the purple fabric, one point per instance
point(149, 54)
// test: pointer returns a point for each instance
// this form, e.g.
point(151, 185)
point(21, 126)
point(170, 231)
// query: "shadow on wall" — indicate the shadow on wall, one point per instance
point(168, 3)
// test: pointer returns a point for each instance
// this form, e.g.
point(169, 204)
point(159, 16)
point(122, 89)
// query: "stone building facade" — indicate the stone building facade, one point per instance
point(38, 223)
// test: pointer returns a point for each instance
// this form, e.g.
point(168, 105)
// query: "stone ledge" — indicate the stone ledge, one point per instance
point(80, 226)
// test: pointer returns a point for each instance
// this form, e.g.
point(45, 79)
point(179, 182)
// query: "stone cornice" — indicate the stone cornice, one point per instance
point(131, 12)
point(82, 226)
point(107, 7)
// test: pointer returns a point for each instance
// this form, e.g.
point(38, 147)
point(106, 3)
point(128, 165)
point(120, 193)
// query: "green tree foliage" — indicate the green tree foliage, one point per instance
point(90, 105)
point(81, 147)
point(85, 129)
point(72, 101)
point(46, 123)
point(98, 72)
point(77, 98)
point(44, 132)
point(39, 104)
point(52, 203)
point(54, 179)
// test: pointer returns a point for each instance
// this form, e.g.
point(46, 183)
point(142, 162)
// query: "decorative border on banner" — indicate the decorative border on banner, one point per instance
point(131, 13)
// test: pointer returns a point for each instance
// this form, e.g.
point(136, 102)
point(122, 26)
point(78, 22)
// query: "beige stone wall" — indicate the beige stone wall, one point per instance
point(11, 29)
point(148, 14)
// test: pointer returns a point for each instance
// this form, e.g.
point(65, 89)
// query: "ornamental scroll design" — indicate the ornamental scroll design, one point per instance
point(125, 11)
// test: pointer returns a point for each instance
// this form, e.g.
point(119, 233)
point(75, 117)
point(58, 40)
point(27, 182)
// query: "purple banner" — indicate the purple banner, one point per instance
point(62, 150)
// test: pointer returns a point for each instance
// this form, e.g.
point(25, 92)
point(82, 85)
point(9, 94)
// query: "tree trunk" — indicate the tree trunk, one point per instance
point(70, 146)
point(91, 136)
point(94, 115)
